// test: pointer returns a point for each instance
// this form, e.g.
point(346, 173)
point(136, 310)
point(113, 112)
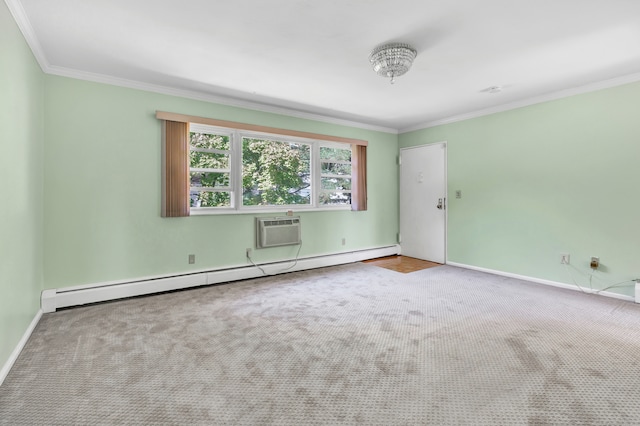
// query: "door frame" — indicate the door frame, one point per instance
point(446, 191)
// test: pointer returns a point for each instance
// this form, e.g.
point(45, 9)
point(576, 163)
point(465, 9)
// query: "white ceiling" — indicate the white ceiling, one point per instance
point(312, 55)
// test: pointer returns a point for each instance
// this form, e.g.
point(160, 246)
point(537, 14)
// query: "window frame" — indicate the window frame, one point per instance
point(232, 155)
point(334, 145)
point(175, 165)
point(236, 138)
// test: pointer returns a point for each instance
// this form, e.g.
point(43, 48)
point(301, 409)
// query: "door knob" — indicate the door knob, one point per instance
point(439, 206)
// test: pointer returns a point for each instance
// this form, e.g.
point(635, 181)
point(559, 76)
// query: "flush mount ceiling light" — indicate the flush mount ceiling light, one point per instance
point(392, 60)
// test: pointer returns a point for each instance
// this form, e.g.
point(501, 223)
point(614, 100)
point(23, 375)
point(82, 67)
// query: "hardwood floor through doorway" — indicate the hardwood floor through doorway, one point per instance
point(403, 264)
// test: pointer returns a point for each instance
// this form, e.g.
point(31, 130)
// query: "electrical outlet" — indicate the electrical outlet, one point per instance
point(192, 259)
point(248, 252)
point(344, 241)
point(565, 259)
point(595, 262)
point(458, 193)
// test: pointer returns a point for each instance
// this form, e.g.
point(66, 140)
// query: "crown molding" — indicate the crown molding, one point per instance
point(228, 101)
point(20, 17)
point(578, 90)
point(223, 100)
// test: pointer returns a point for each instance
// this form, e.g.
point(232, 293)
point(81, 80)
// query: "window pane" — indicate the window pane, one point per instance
point(336, 198)
point(209, 180)
point(275, 173)
point(336, 169)
point(210, 199)
point(336, 183)
point(208, 160)
point(335, 154)
point(205, 140)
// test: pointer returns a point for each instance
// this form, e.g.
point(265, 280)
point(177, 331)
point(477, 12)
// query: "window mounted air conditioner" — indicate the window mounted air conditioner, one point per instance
point(277, 231)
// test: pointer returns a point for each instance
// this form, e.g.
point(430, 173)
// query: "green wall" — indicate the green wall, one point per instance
point(102, 191)
point(21, 162)
point(556, 177)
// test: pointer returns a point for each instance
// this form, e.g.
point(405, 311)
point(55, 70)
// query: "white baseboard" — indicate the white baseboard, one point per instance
point(545, 282)
point(16, 352)
point(91, 293)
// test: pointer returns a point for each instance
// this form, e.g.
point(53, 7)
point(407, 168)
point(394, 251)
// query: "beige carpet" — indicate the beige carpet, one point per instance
point(354, 344)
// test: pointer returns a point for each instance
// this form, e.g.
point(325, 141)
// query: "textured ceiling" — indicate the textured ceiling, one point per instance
point(312, 56)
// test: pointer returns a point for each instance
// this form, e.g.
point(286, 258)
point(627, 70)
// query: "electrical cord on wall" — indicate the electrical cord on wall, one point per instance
point(278, 272)
point(253, 263)
point(609, 286)
point(296, 259)
point(567, 267)
point(591, 276)
point(620, 284)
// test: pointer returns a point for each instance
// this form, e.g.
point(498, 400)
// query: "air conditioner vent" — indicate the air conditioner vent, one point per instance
point(277, 231)
point(274, 222)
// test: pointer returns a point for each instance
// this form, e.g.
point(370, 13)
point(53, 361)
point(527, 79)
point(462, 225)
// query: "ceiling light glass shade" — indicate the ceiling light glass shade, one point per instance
point(392, 60)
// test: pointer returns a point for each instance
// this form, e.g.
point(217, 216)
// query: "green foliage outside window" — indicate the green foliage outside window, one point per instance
point(206, 177)
point(208, 141)
point(335, 163)
point(210, 199)
point(275, 173)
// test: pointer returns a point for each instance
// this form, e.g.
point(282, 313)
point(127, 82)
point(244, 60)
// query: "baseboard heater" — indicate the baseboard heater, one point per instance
point(92, 293)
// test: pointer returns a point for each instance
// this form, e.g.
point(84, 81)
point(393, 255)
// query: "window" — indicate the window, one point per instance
point(276, 172)
point(335, 175)
point(272, 171)
point(209, 168)
point(251, 168)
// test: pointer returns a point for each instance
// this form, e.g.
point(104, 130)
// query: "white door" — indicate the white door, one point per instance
point(423, 189)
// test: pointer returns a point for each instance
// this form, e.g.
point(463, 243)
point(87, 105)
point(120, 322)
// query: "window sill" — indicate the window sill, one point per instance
point(275, 211)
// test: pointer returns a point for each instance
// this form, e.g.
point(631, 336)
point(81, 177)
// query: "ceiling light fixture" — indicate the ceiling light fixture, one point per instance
point(392, 60)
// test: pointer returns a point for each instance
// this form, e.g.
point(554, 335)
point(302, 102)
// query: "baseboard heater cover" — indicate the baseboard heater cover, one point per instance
point(81, 295)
